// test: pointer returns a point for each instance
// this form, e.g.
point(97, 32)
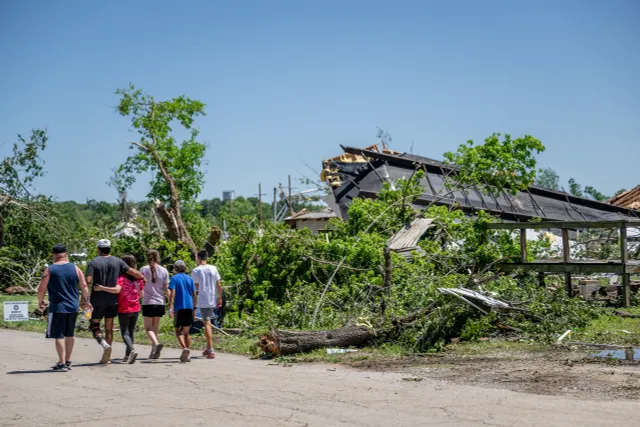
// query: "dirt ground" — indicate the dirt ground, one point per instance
point(236, 391)
point(556, 373)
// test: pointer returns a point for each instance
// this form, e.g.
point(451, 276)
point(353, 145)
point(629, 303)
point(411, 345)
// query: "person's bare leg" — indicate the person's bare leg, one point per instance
point(187, 336)
point(180, 338)
point(208, 334)
point(108, 327)
point(156, 326)
point(61, 350)
point(68, 348)
point(151, 330)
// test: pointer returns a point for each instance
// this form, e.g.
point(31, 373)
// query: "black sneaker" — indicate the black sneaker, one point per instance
point(60, 367)
point(68, 364)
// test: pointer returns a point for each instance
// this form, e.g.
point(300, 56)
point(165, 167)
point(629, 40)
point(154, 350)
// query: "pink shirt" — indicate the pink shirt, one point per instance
point(154, 292)
point(129, 296)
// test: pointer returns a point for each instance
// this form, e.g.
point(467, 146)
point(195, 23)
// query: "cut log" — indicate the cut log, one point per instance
point(291, 342)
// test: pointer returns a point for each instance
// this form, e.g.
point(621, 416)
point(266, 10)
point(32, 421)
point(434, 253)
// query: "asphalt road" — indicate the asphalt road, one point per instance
point(235, 391)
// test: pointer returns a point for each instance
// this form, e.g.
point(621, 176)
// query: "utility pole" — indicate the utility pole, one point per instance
point(290, 199)
point(275, 202)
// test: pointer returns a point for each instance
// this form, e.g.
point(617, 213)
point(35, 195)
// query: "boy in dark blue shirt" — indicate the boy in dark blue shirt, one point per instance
point(182, 300)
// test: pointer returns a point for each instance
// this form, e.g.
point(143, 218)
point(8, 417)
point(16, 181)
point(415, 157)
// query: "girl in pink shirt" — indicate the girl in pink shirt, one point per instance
point(131, 290)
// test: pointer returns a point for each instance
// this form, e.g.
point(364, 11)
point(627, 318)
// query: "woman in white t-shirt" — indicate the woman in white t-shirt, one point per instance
point(156, 279)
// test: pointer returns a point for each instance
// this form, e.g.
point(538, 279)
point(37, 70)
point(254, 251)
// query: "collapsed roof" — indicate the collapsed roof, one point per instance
point(362, 173)
point(628, 199)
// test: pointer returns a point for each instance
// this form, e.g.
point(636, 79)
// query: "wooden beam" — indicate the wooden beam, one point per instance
point(624, 258)
point(563, 224)
point(566, 249)
point(523, 245)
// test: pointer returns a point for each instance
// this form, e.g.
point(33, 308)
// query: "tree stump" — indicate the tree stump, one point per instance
point(290, 342)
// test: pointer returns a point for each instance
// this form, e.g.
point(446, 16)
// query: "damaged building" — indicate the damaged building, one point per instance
point(362, 172)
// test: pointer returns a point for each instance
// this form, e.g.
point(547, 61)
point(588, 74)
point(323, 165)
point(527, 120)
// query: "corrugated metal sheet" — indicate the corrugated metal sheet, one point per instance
point(408, 237)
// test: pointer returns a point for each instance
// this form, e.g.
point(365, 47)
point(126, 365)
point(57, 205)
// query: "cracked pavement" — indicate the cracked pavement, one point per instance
point(235, 391)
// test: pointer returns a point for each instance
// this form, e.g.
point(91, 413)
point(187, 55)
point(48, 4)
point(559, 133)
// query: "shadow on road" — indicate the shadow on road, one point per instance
point(153, 362)
point(50, 370)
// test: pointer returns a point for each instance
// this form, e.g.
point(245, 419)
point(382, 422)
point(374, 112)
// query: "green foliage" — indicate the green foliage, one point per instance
point(548, 178)
point(23, 166)
point(158, 148)
point(506, 163)
point(595, 194)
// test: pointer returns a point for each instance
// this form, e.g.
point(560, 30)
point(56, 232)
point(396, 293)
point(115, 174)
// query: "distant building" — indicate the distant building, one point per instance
point(314, 221)
point(228, 196)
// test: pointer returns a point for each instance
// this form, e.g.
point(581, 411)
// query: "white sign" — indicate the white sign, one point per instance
point(16, 311)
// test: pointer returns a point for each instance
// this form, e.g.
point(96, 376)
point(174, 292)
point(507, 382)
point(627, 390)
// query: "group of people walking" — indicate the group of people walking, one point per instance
point(114, 287)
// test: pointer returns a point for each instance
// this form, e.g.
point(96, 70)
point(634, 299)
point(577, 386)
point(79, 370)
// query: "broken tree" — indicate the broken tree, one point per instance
point(178, 178)
point(290, 342)
point(17, 173)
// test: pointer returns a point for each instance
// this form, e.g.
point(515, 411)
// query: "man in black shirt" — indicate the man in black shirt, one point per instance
point(102, 273)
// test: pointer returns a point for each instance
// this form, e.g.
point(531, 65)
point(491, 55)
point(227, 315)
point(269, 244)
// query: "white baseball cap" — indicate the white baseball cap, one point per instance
point(104, 243)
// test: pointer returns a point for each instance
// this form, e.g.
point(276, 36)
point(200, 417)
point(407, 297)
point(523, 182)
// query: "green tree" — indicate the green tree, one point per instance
point(17, 173)
point(178, 175)
point(575, 189)
point(506, 163)
point(548, 178)
point(595, 194)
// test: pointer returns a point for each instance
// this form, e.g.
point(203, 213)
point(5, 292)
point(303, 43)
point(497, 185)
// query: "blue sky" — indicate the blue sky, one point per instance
point(285, 82)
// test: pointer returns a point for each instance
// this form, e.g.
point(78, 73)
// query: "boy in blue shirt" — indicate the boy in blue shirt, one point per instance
point(182, 300)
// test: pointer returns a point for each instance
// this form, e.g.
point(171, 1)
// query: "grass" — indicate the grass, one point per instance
point(606, 329)
point(611, 329)
point(233, 344)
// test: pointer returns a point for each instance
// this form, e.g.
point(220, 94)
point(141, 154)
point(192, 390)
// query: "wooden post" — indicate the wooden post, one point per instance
point(523, 245)
point(624, 258)
point(275, 204)
point(260, 202)
point(541, 280)
point(290, 199)
point(566, 257)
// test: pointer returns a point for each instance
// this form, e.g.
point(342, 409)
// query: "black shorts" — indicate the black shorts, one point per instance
point(153, 310)
point(104, 312)
point(61, 325)
point(182, 318)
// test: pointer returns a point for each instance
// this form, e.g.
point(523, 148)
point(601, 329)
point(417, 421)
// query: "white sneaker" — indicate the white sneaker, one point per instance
point(106, 355)
point(184, 357)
